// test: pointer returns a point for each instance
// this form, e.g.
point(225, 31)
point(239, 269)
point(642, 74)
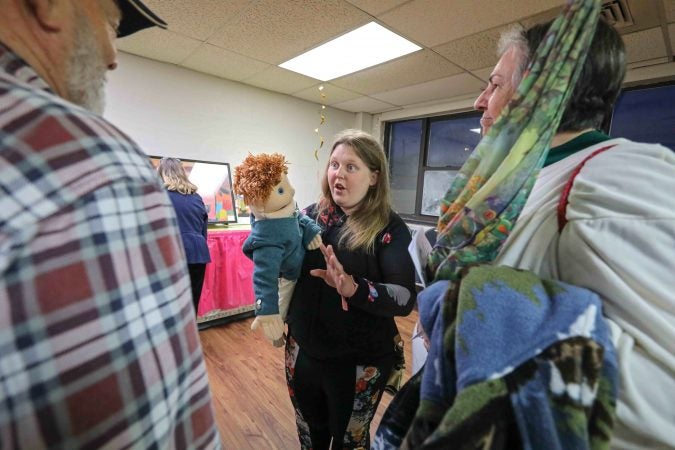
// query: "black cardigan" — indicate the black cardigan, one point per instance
point(365, 331)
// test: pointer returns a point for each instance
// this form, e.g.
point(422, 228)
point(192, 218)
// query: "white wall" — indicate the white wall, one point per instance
point(171, 111)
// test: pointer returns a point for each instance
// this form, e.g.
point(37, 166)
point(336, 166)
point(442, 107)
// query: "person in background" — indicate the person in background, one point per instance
point(98, 342)
point(341, 330)
point(617, 236)
point(192, 221)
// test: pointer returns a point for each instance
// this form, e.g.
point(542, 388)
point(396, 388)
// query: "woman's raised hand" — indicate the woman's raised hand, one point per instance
point(334, 274)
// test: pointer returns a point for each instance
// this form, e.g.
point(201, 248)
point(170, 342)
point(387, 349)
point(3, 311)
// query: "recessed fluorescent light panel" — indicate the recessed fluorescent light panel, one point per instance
point(364, 47)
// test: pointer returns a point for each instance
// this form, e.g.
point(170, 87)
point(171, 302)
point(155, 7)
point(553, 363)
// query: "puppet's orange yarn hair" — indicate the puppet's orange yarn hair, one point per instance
point(257, 175)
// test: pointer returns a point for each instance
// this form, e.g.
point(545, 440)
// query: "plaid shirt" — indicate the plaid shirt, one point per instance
point(98, 342)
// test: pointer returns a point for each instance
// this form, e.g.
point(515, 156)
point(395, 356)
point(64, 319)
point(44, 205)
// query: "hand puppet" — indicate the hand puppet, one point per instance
point(279, 236)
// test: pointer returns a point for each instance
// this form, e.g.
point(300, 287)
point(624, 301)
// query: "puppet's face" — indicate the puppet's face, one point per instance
point(281, 196)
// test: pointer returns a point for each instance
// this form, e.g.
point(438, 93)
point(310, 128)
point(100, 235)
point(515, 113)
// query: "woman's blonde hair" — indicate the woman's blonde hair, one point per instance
point(174, 177)
point(364, 224)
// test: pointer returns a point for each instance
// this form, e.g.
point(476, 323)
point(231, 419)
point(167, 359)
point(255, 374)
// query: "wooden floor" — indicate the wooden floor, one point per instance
point(251, 402)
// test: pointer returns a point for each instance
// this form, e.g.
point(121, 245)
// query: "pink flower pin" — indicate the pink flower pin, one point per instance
point(386, 238)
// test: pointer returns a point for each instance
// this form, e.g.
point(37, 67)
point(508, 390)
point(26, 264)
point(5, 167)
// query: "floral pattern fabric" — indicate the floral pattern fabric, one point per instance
point(291, 356)
point(366, 396)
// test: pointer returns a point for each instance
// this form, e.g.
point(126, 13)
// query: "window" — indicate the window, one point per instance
point(646, 115)
point(424, 157)
point(425, 154)
point(405, 143)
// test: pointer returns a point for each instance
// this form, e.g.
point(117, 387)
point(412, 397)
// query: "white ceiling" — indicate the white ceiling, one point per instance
point(245, 40)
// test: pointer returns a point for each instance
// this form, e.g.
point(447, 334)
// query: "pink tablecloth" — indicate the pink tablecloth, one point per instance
point(228, 287)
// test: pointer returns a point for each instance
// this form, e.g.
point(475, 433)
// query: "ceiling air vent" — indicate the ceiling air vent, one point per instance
point(616, 13)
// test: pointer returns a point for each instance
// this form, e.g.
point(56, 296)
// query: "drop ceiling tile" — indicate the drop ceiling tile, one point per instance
point(434, 22)
point(366, 104)
point(280, 80)
point(197, 19)
point(645, 63)
point(635, 77)
point(414, 68)
point(669, 6)
point(460, 103)
point(275, 31)
point(333, 94)
point(484, 73)
point(449, 87)
point(461, 31)
point(475, 51)
point(644, 45)
point(161, 45)
point(644, 14)
point(541, 17)
point(375, 7)
point(222, 63)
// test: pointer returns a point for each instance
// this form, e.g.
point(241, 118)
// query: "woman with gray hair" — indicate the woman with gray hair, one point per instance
point(602, 215)
point(547, 206)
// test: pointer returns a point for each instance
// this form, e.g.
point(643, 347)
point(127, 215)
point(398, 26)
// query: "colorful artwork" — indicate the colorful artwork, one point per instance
point(214, 183)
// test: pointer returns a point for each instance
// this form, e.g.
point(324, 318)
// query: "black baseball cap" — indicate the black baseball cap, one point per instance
point(136, 17)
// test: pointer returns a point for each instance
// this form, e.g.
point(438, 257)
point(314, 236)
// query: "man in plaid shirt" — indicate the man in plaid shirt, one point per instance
point(98, 342)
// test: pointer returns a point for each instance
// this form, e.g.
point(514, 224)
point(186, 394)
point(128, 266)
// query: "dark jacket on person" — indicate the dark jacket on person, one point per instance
point(192, 220)
point(386, 288)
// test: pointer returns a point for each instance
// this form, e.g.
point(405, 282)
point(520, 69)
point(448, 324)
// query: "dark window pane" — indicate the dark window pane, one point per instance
point(646, 115)
point(436, 183)
point(452, 140)
point(404, 153)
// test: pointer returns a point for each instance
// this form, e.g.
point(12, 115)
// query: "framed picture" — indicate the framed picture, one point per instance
point(214, 185)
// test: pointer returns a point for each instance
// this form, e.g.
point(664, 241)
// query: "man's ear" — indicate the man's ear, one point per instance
point(49, 14)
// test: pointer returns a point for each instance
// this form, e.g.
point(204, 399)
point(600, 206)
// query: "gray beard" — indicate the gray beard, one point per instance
point(86, 71)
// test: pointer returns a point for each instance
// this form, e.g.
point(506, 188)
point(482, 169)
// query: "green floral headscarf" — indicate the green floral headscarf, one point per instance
point(486, 197)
